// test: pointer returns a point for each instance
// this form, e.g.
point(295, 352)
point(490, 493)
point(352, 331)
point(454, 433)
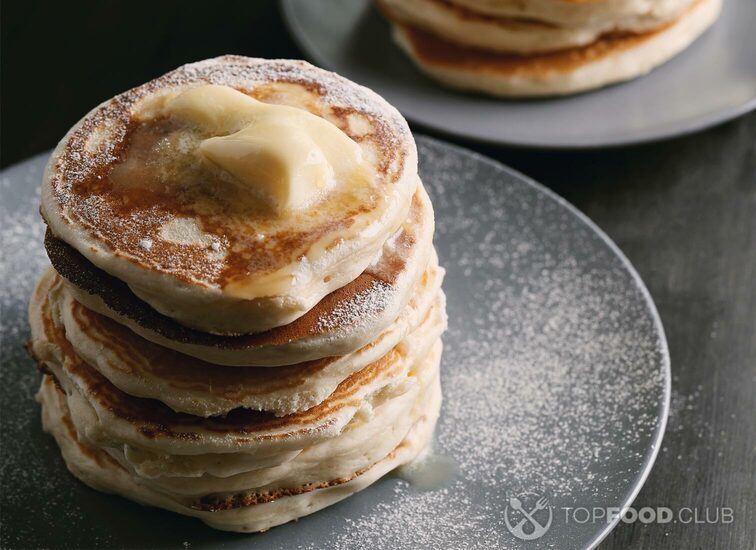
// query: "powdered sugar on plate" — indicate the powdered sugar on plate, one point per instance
point(22, 260)
point(555, 369)
point(22, 255)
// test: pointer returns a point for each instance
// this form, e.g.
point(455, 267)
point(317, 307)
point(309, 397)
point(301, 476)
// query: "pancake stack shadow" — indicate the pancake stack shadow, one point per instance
point(532, 48)
point(242, 430)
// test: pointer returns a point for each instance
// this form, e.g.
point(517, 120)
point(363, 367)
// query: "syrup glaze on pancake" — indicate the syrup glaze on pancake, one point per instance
point(135, 203)
point(372, 297)
point(122, 215)
point(107, 194)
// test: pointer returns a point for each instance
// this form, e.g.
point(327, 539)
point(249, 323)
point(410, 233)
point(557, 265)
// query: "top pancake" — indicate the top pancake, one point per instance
point(198, 252)
point(343, 321)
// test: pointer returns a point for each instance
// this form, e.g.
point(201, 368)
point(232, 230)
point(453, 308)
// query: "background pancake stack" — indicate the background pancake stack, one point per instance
point(522, 48)
point(150, 395)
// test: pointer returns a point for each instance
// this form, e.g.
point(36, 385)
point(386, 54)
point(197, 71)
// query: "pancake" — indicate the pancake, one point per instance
point(143, 369)
point(295, 450)
point(365, 442)
point(109, 417)
point(609, 60)
point(242, 318)
point(606, 15)
point(126, 189)
point(243, 512)
point(344, 321)
point(506, 34)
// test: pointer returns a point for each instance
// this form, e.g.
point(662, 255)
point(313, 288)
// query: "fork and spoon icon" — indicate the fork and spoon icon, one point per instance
point(538, 529)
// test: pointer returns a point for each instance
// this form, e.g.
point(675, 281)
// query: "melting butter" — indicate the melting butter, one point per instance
point(289, 158)
point(429, 471)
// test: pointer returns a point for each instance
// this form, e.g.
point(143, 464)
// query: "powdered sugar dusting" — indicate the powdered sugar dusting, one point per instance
point(22, 260)
point(360, 309)
point(23, 256)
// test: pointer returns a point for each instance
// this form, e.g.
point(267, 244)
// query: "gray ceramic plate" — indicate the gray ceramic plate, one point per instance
point(713, 81)
point(555, 376)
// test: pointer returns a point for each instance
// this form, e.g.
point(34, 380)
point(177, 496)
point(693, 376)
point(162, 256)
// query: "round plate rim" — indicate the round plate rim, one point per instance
point(699, 123)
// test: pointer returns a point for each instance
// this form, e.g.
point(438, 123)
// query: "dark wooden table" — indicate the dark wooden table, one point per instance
point(684, 212)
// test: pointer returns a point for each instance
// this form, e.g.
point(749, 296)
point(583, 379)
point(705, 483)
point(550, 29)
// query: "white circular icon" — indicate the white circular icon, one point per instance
point(528, 516)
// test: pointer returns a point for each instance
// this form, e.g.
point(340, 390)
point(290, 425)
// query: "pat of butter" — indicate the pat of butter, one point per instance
point(288, 157)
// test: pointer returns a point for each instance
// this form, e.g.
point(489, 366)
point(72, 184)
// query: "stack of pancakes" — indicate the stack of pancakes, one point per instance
point(522, 48)
point(207, 357)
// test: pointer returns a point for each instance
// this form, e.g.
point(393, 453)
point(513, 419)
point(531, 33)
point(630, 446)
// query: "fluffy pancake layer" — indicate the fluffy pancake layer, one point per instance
point(201, 256)
point(109, 416)
point(530, 34)
point(246, 471)
point(611, 59)
point(143, 369)
point(342, 322)
point(610, 14)
point(247, 511)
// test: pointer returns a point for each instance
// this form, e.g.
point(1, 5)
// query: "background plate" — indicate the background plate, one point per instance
point(712, 81)
point(555, 376)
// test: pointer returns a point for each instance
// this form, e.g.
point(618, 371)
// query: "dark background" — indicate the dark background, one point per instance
point(61, 59)
point(684, 211)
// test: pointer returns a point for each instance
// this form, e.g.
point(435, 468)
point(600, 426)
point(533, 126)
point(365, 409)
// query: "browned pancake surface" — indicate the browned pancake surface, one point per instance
point(212, 502)
point(379, 279)
point(152, 418)
point(435, 51)
point(122, 217)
